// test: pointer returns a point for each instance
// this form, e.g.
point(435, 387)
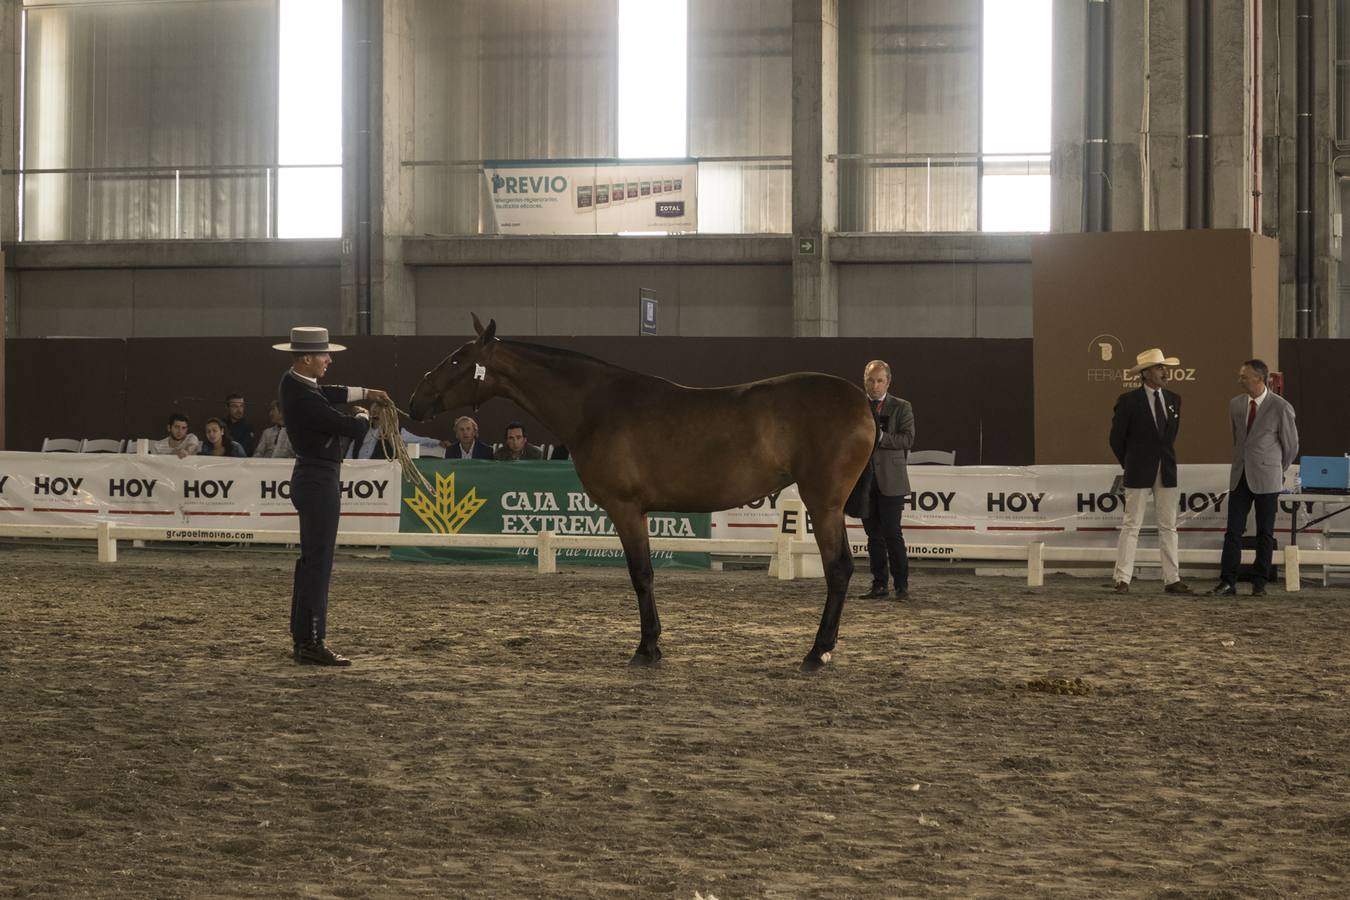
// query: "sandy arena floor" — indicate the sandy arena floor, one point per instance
point(988, 740)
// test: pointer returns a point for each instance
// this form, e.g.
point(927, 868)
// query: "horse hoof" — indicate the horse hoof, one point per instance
point(814, 661)
point(646, 657)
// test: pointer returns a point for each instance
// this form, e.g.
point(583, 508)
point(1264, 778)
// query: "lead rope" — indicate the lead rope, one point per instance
point(386, 416)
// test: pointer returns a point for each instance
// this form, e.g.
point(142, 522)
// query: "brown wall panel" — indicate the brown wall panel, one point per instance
point(127, 388)
point(1316, 373)
point(972, 396)
point(1205, 297)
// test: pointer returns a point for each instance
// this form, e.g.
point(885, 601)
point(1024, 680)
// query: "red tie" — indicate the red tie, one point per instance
point(1251, 415)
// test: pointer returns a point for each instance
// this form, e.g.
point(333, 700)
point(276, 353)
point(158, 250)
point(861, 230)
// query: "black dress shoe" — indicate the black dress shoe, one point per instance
point(1258, 590)
point(317, 653)
point(1223, 589)
point(876, 593)
point(901, 596)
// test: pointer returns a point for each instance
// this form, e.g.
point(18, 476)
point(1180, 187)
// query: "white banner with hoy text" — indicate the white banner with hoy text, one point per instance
point(197, 492)
point(1061, 505)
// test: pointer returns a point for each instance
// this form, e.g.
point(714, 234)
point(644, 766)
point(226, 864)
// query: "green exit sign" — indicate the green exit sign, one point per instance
point(806, 246)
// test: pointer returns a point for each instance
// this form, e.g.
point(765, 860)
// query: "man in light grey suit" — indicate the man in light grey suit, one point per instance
point(890, 485)
point(1265, 444)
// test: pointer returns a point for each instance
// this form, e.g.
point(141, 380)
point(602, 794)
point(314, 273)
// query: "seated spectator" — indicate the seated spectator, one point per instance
point(180, 441)
point(274, 442)
point(218, 442)
point(516, 447)
point(373, 446)
point(467, 445)
point(240, 431)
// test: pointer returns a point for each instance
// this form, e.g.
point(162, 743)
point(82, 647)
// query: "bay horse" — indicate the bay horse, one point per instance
point(642, 444)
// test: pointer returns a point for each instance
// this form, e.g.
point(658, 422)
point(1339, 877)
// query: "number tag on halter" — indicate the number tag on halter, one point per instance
point(479, 372)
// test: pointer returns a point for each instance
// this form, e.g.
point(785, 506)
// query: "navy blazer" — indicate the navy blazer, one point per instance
point(1135, 440)
point(480, 451)
point(315, 427)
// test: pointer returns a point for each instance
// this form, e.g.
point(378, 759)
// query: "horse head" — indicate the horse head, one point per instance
point(461, 379)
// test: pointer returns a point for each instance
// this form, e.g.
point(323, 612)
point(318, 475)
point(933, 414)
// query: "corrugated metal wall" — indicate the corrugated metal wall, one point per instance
point(740, 104)
point(506, 79)
point(909, 88)
point(150, 86)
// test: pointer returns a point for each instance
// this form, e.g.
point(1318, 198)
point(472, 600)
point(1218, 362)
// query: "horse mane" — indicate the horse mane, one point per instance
point(561, 354)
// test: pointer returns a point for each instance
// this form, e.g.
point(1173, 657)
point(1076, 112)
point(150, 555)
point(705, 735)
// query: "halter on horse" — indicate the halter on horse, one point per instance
point(641, 443)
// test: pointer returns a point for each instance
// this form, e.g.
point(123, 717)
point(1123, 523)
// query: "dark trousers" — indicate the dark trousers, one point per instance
point(316, 496)
point(886, 541)
point(1240, 501)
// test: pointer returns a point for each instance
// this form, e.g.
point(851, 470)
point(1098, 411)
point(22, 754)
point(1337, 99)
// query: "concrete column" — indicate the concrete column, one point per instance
point(393, 300)
point(354, 43)
point(1230, 113)
point(378, 67)
point(1069, 50)
point(1165, 127)
point(1326, 247)
point(11, 37)
point(815, 180)
point(1128, 37)
point(1278, 187)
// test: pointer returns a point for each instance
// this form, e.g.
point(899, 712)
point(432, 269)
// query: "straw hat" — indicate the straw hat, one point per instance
point(1150, 358)
point(309, 339)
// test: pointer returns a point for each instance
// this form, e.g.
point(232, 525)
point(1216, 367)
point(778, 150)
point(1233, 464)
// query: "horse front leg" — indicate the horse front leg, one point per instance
point(631, 525)
point(837, 558)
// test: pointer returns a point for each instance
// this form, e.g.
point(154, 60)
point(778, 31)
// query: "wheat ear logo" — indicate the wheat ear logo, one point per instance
point(444, 514)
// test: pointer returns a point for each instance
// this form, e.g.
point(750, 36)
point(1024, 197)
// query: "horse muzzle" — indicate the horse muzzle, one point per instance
point(420, 410)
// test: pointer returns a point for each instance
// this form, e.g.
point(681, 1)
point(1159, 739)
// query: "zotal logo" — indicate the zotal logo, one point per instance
point(444, 513)
point(673, 209)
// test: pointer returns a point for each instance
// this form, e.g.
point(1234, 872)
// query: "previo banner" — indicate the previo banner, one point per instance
point(1064, 505)
point(586, 197)
point(483, 497)
point(198, 491)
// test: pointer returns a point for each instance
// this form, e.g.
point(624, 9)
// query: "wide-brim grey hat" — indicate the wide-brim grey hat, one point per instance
point(309, 339)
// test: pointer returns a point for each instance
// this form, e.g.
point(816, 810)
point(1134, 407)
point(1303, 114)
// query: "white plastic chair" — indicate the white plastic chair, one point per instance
point(932, 458)
point(438, 452)
point(61, 445)
point(102, 445)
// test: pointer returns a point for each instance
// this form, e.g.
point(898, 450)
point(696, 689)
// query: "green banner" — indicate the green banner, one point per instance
point(483, 497)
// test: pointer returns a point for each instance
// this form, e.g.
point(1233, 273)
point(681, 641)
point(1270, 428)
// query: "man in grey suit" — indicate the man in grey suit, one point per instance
point(1265, 443)
point(890, 483)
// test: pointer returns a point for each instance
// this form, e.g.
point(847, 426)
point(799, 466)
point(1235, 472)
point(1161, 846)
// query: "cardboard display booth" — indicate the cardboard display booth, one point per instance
point(1208, 298)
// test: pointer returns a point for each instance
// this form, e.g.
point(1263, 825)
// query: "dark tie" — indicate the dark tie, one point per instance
point(1251, 415)
point(1159, 416)
point(876, 408)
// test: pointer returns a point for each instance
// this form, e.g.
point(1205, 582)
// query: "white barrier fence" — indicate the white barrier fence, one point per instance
point(791, 554)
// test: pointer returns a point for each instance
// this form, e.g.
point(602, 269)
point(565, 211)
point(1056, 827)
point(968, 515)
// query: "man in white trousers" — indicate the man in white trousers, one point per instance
point(1143, 438)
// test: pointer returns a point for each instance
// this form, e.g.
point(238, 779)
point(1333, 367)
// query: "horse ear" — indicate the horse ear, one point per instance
point(488, 333)
point(477, 325)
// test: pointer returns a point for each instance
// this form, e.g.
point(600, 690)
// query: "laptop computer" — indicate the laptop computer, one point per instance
point(1325, 474)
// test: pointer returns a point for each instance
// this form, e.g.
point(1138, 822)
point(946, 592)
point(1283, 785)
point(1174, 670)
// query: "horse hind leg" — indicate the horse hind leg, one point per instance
point(837, 559)
point(631, 525)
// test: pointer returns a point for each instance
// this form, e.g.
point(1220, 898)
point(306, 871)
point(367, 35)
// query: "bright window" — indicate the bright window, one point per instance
point(309, 109)
point(1015, 131)
point(652, 85)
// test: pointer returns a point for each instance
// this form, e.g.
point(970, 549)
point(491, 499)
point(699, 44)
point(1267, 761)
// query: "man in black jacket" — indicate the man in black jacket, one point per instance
point(1143, 438)
point(319, 434)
